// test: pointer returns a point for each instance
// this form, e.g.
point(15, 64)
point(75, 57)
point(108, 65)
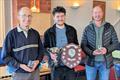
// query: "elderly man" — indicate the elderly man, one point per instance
point(22, 50)
point(98, 41)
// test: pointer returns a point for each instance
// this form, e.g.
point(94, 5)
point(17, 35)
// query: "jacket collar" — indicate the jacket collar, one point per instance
point(19, 29)
point(106, 25)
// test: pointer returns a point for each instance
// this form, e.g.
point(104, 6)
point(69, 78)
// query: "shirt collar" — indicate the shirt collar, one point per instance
point(20, 29)
point(57, 26)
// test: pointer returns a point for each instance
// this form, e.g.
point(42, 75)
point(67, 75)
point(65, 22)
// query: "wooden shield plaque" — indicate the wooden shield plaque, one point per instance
point(71, 55)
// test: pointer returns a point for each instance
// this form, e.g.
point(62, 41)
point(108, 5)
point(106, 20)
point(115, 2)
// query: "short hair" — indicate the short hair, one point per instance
point(59, 9)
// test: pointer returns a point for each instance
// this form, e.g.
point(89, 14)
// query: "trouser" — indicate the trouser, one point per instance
point(26, 76)
point(63, 73)
point(103, 72)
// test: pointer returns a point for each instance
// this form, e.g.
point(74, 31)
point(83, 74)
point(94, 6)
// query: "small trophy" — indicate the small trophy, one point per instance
point(55, 50)
point(30, 64)
point(99, 48)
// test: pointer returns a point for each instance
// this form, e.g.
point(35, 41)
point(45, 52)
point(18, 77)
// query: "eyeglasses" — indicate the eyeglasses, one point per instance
point(26, 16)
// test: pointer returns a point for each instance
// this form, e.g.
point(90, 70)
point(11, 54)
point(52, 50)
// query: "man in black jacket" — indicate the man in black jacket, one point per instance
point(98, 41)
point(58, 36)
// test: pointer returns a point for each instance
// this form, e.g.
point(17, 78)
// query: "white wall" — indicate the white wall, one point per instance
point(112, 15)
point(2, 22)
point(8, 14)
point(80, 17)
point(41, 22)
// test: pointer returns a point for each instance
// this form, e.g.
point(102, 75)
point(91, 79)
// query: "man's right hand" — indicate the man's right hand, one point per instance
point(53, 56)
point(26, 68)
point(97, 52)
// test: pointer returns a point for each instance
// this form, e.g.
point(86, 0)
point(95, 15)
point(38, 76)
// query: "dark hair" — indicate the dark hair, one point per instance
point(59, 9)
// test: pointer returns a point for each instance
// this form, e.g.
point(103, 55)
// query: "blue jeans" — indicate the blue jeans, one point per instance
point(99, 67)
point(117, 69)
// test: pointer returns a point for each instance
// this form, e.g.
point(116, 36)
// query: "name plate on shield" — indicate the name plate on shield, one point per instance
point(71, 55)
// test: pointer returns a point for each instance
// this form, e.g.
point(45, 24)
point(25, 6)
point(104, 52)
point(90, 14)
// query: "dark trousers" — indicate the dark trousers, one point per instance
point(62, 73)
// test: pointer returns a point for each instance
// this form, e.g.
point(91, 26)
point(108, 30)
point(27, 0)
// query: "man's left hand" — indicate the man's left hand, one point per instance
point(103, 50)
point(35, 64)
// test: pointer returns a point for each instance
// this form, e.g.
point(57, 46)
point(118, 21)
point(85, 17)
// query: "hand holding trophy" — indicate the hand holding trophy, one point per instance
point(54, 51)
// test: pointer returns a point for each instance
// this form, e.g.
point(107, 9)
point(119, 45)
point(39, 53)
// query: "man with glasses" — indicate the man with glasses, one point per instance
point(22, 50)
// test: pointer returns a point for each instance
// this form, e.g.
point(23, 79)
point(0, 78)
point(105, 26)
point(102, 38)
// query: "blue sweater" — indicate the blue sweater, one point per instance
point(61, 38)
point(18, 49)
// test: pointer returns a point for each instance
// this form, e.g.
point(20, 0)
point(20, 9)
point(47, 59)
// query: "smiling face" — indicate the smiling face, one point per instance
point(97, 13)
point(59, 18)
point(25, 17)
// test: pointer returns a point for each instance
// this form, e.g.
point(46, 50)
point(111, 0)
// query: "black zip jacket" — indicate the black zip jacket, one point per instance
point(50, 38)
point(110, 42)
